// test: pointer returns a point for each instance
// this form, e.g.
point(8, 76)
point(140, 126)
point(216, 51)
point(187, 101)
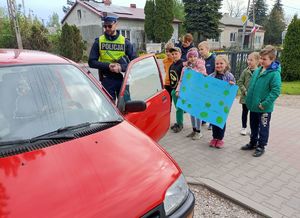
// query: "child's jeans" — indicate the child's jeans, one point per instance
point(260, 126)
point(179, 111)
point(244, 115)
point(196, 123)
point(217, 132)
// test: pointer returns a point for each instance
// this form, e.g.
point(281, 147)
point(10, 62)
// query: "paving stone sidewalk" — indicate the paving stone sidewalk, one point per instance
point(269, 184)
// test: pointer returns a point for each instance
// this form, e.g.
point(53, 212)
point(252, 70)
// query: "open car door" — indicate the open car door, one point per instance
point(143, 83)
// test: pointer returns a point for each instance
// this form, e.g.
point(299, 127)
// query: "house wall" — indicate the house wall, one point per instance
point(226, 39)
point(90, 26)
point(137, 34)
point(88, 23)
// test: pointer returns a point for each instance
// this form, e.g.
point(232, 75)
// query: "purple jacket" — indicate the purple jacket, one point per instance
point(226, 77)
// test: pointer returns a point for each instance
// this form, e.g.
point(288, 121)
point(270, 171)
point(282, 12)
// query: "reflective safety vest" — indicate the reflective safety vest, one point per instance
point(111, 51)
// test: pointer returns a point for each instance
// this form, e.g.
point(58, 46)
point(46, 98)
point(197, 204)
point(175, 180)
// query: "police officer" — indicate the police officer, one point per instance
point(111, 53)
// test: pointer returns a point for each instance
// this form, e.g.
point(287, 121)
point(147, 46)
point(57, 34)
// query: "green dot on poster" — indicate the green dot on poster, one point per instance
point(189, 106)
point(183, 101)
point(221, 103)
point(203, 114)
point(206, 85)
point(183, 89)
point(226, 92)
point(207, 104)
point(189, 76)
point(219, 120)
point(226, 109)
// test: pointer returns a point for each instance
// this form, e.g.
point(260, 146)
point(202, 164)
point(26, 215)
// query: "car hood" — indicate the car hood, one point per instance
point(118, 172)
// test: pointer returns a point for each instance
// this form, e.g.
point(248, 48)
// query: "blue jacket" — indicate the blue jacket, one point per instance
point(210, 64)
point(104, 67)
point(184, 50)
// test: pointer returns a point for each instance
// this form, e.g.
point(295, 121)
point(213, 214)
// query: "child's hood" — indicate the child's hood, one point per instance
point(275, 65)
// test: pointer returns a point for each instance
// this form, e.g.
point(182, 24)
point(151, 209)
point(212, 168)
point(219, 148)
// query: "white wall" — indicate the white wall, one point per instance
point(87, 17)
point(90, 26)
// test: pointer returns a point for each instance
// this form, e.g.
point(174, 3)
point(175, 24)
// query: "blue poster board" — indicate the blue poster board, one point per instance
point(206, 98)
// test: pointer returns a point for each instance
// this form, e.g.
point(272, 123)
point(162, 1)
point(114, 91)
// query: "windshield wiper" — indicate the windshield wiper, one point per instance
point(57, 134)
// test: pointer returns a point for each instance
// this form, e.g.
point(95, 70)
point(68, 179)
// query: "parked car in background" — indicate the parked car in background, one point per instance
point(68, 150)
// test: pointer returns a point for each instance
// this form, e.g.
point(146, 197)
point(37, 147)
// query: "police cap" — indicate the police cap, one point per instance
point(109, 19)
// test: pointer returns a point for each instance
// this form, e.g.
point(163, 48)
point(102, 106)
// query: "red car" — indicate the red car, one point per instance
point(67, 150)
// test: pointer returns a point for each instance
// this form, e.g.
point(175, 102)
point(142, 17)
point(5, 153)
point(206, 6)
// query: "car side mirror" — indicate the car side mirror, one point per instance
point(135, 106)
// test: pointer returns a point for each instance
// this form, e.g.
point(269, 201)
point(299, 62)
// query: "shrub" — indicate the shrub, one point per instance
point(161, 56)
point(291, 52)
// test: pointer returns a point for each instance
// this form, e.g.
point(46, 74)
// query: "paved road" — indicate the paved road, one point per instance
point(269, 184)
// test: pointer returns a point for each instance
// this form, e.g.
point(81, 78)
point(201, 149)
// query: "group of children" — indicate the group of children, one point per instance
point(259, 85)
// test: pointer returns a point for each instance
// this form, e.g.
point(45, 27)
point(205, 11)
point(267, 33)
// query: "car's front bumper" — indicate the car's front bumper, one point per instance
point(186, 210)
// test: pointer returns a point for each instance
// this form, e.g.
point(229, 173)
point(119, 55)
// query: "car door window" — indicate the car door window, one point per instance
point(143, 81)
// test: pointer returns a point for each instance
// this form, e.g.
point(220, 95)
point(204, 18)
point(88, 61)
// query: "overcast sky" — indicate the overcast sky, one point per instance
point(45, 8)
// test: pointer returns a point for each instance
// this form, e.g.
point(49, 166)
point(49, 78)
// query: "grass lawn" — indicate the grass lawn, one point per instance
point(291, 88)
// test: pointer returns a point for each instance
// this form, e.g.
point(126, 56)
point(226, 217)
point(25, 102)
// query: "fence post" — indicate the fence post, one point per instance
point(233, 62)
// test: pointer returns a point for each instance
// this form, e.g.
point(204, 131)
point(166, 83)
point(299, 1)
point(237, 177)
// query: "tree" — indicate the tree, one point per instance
point(260, 12)
point(54, 21)
point(291, 52)
point(7, 37)
point(203, 18)
point(71, 44)
point(164, 16)
point(178, 11)
point(235, 8)
point(38, 38)
point(275, 25)
point(149, 19)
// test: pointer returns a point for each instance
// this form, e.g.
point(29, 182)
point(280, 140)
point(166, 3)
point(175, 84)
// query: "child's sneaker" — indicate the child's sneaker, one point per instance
point(172, 127)
point(219, 144)
point(178, 128)
point(197, 136)
point(213, 142)
point(243, 131)
point(191, 134)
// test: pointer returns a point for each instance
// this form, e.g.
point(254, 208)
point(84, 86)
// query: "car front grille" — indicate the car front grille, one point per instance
point(157, 212)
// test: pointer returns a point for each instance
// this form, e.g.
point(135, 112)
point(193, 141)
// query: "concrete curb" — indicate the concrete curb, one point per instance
point(233, 196)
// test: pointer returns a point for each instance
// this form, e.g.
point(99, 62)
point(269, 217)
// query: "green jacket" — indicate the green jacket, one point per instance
point(243, 84)
point(264, 88)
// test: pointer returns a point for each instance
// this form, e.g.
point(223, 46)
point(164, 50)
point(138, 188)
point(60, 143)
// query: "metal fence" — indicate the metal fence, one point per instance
point(238, 61)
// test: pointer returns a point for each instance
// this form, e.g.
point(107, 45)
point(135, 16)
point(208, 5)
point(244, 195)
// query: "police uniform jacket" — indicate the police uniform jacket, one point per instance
point(104, 66)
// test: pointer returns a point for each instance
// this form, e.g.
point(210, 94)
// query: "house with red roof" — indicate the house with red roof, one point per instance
point(87, 16)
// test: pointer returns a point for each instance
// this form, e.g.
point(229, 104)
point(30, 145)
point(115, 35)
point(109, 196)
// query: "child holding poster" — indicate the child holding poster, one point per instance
point(197, 64)
point(222, 72)
point(243, 83)
point(209, 57)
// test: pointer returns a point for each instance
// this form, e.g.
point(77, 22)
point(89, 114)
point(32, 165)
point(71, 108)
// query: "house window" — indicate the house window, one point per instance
point(258, 39)
point(79, 14)
point(232, 37)
point(125, 33)
point(215, 40)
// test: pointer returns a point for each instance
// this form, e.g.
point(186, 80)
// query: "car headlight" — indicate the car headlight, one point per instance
point(175, 195)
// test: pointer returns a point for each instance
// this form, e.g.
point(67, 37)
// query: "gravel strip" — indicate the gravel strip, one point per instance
point(209, 204)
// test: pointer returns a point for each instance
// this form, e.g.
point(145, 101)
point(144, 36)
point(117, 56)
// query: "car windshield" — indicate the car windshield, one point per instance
point(37, 99)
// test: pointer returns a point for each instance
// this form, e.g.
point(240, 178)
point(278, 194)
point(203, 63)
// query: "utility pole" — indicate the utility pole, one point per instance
point(24, 11)
point(253, 34)
point(11, 5)
point(245, 25)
